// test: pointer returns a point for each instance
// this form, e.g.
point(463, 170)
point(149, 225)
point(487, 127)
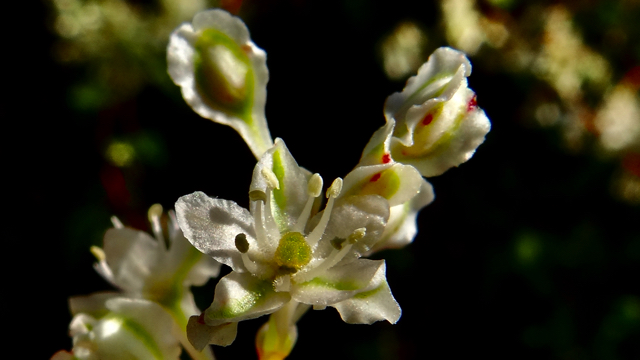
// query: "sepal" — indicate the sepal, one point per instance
point(223, 74)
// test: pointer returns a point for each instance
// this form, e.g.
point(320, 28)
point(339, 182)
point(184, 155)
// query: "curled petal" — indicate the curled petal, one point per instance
point(339, 283)
point(222, 74)
point(241, 296)
point(372, 305)
point(438, 122)
point(211, 225)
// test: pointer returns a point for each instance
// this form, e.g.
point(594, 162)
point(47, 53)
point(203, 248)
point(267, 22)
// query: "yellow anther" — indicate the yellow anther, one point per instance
point(98, 253)
point(271, 178)
point(155, 211)
point(335, 188)
point(314, 187)
point(356, 235)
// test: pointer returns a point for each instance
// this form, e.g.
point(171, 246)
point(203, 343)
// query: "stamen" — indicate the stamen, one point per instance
point(116, 223)
point(98, 253)
point(332, 193)
point(241, 243)
point(337, 243)
point(314, 188)
point(271, 178)
point(341, 248)
point(270, 224)
point(356, 235)
point(261, 231)
point(335, 188)
point(326, 264)
point(243, 247)
point(173, 227)
point(154, 214)
point(257, 195)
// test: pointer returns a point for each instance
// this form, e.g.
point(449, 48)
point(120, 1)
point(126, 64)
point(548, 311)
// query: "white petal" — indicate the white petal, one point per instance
point(370, 306)
point(201, 334)
point(402, 226)
point(130, 255)
point(337, 284)
point(364, 211)
point(211, 225)
point(242, 296)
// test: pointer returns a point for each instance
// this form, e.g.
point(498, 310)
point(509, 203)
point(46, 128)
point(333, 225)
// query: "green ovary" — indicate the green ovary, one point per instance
point(223, 74)
point(293, 252)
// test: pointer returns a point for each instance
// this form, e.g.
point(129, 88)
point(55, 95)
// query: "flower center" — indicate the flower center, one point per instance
point(293, 252)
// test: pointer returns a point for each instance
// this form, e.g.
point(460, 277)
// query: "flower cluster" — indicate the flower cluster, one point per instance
point(288, 252)
point(147, 319)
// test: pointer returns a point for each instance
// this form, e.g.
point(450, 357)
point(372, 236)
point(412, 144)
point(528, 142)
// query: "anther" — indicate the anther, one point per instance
point(257, 195)
point(356, 235)
point(335, 188)
point(98, 253)
point(271, 178)
point(243, 246)
point(241, 243)
point(314, 187)
point(154, 214)
point(337, 243)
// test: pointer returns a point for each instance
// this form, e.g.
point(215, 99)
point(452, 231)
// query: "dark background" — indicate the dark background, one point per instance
point(525, 253)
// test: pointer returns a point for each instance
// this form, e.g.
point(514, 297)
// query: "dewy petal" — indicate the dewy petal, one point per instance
point(289, 199)
point(438, 122)
point(402, 225)
point(222, 74)
point(241, 296)
point(211, 225)
point(372, 305)
point(338, 283)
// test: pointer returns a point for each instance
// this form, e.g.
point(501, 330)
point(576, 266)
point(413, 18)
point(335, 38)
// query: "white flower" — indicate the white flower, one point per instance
point(435, 120)
point(107, 326)
point(223, 74)
point(155, 269)
point(285, 258)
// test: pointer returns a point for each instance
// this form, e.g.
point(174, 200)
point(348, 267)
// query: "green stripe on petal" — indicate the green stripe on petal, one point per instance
point(278, 169)
point(337, 285)
point(117, 322)
point(241, 296)
point(224, 74)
